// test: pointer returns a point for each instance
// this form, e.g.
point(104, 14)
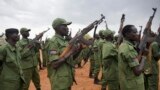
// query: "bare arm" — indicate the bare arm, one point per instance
point(139, 69)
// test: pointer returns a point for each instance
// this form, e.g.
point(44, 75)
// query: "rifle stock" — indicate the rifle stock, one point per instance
point(80, 35)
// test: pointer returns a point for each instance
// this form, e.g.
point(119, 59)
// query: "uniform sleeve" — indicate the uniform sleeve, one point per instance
point(155, 50)
point(53, 51)
point(129, 55)
point(24, 51)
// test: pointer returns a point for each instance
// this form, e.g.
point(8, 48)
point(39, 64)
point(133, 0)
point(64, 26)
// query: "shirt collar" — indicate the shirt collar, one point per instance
point(12, 48)
point(128, 42)
point(58, 36)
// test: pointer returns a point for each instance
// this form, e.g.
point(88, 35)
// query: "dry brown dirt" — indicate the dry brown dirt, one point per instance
point(81, 75)
point(84, 82)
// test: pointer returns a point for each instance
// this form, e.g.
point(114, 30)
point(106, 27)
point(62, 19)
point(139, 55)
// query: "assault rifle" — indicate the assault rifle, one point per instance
point(106, 24)
point(75, 39)
point(120, 37)
point(146, 33)
point(140, 31)
point(38, 37)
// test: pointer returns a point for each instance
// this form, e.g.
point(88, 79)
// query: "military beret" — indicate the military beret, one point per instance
point(100, 31)
point(11, 31)
point(60, 21)
point(24, 30)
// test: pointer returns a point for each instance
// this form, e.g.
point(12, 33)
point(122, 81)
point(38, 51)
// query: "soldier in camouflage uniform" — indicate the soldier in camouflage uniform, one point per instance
point(29, 60)
point(109, 62)
point(151, 79)
point(129, 67)
point(11, 75)
point(60, 70)
point(97, 59)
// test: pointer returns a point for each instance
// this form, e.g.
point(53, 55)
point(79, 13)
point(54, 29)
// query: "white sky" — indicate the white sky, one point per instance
point(39, 14)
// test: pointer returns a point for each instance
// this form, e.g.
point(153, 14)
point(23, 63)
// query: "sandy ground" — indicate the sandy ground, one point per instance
point(83, 81)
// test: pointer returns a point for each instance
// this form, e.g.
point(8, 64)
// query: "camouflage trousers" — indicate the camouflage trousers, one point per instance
point(151, 82)
point(31, 74)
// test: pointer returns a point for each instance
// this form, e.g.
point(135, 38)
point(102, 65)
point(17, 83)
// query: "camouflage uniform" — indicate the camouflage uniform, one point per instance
point(96, 58)
point(11, 76)
point(110, 64)
point(29, 62)
point(61, 78)
point(151, 79)
point(128, 80)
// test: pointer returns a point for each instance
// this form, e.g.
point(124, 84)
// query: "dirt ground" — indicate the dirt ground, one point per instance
point(83, 81)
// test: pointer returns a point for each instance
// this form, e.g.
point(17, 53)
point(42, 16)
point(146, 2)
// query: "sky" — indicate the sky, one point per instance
point(38, 15)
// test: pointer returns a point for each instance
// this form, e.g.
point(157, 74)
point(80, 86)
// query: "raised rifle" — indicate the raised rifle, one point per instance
point(75, 39)
point(146, 33)
point(120, 36)
point(69, 36)
point(106, 24)
point(37, 38)
point(140, 31)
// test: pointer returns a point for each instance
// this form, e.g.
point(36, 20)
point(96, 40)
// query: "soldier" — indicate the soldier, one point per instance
point(11, 75)
point(45, 54)
point(109, 62)
point(129, 67)
point(151, 72)
point(96, 58)
point(60, 70)
point(29, 60)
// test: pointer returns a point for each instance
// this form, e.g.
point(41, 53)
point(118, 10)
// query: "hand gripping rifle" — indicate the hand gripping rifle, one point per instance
point(120, 37)
point(38, 37)
point(146, 33)
point(80, 35)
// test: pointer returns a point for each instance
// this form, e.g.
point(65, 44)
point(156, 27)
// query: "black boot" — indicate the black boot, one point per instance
point(103, 88)
point(79, 65)
point(38, 89)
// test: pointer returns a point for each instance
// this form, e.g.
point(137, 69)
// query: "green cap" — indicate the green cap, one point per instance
point(108, 32)
point(60, 21)
point(100, 31)
point(24, 30)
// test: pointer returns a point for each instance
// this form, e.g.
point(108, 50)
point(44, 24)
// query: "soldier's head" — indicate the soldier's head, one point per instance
point(12, 34)
point(100, 34)
point(129, 32)
point(24, 32)
point(60, 26)
point(108, 34)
